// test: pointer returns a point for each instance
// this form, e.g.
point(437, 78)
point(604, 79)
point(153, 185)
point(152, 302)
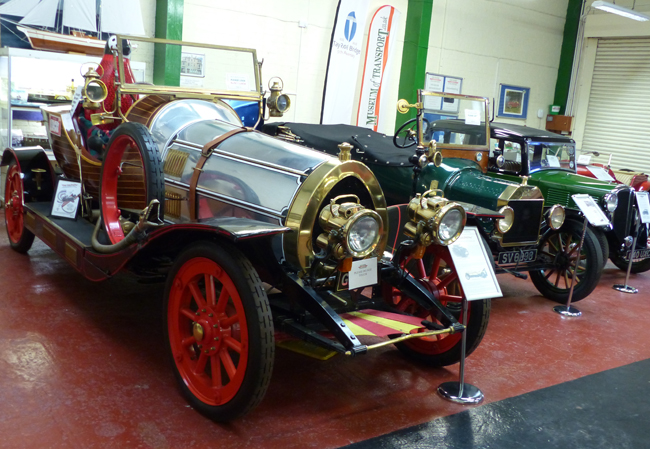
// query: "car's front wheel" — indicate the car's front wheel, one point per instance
point(220, 330)
point(638, 265)
point(560, 251)
point(439, 277)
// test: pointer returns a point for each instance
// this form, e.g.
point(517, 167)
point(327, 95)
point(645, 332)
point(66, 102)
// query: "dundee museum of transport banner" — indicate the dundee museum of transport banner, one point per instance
point(343, 63)
point(377, 68)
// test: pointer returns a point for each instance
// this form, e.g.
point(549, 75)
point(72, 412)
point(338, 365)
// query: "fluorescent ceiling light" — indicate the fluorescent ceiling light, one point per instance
point(615, 9)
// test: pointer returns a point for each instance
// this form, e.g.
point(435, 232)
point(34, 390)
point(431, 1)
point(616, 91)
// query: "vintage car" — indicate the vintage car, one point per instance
point(635, 179)
point(524, 240)
point(548, 160)
point(257, 240)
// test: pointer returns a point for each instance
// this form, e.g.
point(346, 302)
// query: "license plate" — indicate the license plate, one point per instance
point(523, 256)
point(640, 254)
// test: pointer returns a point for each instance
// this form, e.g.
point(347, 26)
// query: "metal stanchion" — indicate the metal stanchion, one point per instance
point(460, 392)
point(569, 310)
point(624, 287)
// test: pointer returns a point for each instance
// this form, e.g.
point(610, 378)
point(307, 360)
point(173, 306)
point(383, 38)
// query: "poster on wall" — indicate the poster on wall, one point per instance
point(377, 68)
point(434, 82)
point(513, 101)
point(343, 62)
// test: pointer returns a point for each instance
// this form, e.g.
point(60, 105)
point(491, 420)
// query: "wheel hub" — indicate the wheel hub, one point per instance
point(207, 332)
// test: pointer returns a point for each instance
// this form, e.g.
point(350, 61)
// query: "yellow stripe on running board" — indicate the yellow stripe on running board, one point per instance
point(404, 328)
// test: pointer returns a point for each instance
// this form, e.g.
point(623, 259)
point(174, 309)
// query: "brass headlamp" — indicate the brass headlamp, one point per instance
point(278, 102)
point(94, 90)
point(351, 230)
point(434, 219)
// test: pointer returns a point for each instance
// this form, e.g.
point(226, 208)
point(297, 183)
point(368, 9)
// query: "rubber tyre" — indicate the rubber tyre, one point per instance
point(444, 282)
point(601, 238)
point(20, 238)
point(244, 374)
point(545, 280)
point(637, 267)
point(125, 136)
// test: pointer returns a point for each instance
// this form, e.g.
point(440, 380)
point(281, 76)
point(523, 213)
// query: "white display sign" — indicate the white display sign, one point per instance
point(553, 161)
point(644, 206)
point(238, 81)
point(363, 273)
point(474, 266)
point(76, 99)
point(600, 173)
point(446, 84)
point(343, 67)
point(584, 159)
point(472, 117)
point(66, 199)
point(592, 211)
point(55, 125)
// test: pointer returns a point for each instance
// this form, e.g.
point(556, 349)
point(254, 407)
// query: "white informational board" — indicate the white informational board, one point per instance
point(644, 206)
point(66, 199)
point(584, 159)
point(600, 173)
point(592, 211)
point(474, 266)
point(553, 161)
point(363, 273)
point(441, 83)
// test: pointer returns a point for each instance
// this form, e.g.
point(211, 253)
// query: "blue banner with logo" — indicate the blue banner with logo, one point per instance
point(343, 63)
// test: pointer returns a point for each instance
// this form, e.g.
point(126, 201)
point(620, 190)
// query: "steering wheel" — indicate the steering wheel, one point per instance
point(407, 134)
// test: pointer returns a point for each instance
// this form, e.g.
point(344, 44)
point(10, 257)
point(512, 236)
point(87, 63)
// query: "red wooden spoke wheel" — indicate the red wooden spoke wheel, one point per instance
point(220, 331)
point(20, 238)
point(437, 274)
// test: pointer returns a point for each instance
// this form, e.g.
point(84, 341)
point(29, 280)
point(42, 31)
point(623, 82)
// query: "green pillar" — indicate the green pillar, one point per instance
point(169, 25)
point(566, 56)
point(414, 56)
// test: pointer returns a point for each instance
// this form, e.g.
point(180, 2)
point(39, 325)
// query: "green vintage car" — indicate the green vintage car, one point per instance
point(458, 167)
point(549, 162)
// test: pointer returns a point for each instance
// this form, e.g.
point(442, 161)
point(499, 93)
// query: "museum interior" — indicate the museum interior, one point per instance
point(324, 223)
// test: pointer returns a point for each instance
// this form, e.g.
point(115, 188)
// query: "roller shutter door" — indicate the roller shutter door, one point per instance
point(618, 115)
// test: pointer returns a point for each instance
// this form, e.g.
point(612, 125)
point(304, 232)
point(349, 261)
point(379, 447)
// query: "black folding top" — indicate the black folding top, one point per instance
point(370, 147)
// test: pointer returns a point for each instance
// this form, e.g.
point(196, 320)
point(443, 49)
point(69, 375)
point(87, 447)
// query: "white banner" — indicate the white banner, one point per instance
point(377, 68)
point(343, 67)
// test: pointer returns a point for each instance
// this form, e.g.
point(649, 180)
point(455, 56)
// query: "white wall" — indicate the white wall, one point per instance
point(488, 42)
point(599, 24)
point(295, 53)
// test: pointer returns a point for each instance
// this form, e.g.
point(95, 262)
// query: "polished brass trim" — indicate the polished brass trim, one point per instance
point(306, 205)
point(138, 88)
point(519, 192)
point(175, 162)
point(173, 204)
point(71, 253)
point(449, 330)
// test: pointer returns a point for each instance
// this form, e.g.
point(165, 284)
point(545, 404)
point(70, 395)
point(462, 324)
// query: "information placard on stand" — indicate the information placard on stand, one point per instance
point(643, 201)
point(474, 266)
point(590, 209)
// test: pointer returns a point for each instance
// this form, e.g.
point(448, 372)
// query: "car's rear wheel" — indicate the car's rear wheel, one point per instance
point(560, 249)
point(442, 280)
point(220, 331)
point(132, 176)
point(20, 238)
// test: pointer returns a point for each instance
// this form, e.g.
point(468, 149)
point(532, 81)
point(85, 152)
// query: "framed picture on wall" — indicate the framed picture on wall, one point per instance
point(193, 64)
point(513, 101)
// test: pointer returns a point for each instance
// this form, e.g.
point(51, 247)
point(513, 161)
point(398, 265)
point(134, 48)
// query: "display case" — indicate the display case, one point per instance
point(30, 79)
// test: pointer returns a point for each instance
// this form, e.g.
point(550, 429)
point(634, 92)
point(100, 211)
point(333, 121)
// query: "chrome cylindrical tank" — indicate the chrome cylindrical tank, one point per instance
point(256, 176)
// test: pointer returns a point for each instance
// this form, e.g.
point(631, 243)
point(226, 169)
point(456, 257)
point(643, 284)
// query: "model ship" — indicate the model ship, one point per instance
point(40, 17)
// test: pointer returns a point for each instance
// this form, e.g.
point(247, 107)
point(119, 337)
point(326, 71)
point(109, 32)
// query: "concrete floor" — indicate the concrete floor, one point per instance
point(83, 365)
